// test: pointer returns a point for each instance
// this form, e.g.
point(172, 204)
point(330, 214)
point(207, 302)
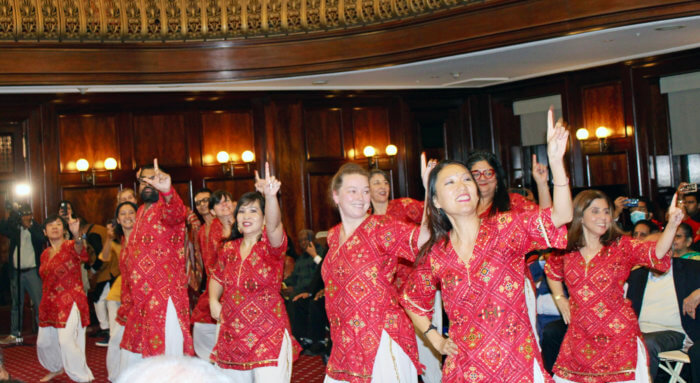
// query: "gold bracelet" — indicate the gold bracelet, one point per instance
point(558, 297)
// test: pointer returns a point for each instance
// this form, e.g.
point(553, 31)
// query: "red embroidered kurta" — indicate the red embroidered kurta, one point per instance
point(125, 307)
point(601, 342)
point(484, 299)
point(62, 285)
point(518, 204)
point(410, 211)
point(208, 245)
point(155, 272)
point(361, 298)
point(253, 317)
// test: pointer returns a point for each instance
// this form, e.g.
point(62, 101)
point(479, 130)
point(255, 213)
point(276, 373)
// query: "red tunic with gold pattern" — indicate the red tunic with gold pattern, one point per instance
point(123, 311)
point(208, 245)
point(361, 298)
point(410, 211)
point(155, 272)
point(253, 317)
point(484, 298)
point(601, 342)
point(62, 285)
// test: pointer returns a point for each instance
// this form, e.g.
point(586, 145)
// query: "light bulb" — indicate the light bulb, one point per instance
point(110, 163)
point(369, 151)
point(602, 132)
point(582, 134)
point(391, 150)
point(222, 157)
point(82, 165)
point(248, 156)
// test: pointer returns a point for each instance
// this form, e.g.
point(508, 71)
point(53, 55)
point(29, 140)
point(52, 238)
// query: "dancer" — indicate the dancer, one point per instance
point(117, 240)
point(254, 343)
point(372, 337)
point(602, 343)
point(211, 237)
point(63, 311)
point(479, 264)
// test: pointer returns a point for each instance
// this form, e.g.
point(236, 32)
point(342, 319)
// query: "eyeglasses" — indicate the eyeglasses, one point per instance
point(486, 174)
point(202, 201)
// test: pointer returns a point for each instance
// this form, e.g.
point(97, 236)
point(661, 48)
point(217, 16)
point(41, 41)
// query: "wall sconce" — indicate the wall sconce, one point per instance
point(83, 165)
point(227, 164)
point(371, 153)
point(602, 134)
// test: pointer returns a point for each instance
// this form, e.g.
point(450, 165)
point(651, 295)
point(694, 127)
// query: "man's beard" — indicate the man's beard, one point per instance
point(149, 195)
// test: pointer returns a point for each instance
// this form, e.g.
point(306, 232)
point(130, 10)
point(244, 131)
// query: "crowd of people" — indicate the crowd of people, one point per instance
point(564, 289)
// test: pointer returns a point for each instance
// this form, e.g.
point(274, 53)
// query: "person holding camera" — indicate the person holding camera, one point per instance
point(27, 235)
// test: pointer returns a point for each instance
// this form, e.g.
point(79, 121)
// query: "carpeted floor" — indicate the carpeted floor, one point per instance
point(22, 363)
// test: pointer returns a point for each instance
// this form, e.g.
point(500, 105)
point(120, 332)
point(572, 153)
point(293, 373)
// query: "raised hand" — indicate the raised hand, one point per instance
point(74, 227)
point(161, 180)
point(426, 168)
point(110, 231)
point(675, 213)
point(268, 186)
point(539, 171)
point(557, 137)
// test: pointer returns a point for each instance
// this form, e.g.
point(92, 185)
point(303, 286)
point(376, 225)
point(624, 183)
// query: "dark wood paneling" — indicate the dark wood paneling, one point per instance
point(95, 204)
point(608, 169)
point(323, 213)
point(184, 190)
point(370, 126)
point(603, 106)
point(160, 136)
point(458, 30)
point(229, 131)
point(89, 136)
point(323, 129)
point(237, 187)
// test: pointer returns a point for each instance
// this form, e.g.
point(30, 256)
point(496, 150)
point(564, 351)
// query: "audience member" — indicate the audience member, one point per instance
point(690, 205)
point(682, 242)
point(628, 211)
point(24, 232)
point(643, 228)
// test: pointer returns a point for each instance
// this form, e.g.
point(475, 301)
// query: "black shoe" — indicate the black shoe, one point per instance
point(104, 342)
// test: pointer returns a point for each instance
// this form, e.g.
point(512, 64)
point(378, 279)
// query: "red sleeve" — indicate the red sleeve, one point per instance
point(173, 212)
point(223, 253)
point(519, 204)
point(643, 253)
point(275, 252)
point(83, 256)
point(540, 232)
point(418, 292)
point(554, 267)
point(397, 238)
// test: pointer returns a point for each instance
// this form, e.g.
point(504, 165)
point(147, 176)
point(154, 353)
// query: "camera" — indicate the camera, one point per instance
point(632, 202)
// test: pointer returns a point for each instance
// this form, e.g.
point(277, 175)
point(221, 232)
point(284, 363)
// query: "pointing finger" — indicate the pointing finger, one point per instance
point(155, 165)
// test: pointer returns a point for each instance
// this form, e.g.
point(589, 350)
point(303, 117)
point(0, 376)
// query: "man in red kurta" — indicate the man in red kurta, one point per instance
point(157, 321)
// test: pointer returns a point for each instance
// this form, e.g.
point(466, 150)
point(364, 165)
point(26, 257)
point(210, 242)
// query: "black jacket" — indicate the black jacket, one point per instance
point(686, 279)
point(10, 229)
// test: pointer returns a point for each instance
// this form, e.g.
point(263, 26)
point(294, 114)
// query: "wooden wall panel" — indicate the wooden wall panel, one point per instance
point(603, 106)
point(183, 189)
point(323, 129)
point(89, 136)
point(370, 126)
point(607, 169)
point(95, 204)
point(230, 131)
point(160, 136)
point(322, 211)
point(237, 187)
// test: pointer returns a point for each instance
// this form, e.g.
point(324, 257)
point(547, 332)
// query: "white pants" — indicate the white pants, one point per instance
point(101, 308)
point(427, 355)
point(116, 333)
point(391, 365)
point(204, 338)
point(641, 372)
point(531, 304)
point(112, 310)
point(282, 373)
point(174, 340)
point(64, 348)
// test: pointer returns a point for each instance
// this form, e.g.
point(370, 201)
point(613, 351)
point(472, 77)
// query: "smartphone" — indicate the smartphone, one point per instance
point(63, 208)
point(632, 202)
point(689, 188)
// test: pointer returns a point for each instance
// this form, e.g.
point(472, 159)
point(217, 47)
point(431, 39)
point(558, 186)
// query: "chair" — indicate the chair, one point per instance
point(672, 362)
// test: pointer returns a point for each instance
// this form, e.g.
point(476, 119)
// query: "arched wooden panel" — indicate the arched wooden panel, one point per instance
point(323, 128)
point(323, 212)
point(95, 204)
point(160, 136)
point(237, 187)
point(90, 136)
point(603, 106)
point(229, 131)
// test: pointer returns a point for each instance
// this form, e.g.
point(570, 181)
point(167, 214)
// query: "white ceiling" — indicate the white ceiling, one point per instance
point(472, 70)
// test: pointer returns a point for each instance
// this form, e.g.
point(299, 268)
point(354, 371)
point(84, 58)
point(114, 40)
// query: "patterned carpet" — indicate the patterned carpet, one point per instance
point(22, 363)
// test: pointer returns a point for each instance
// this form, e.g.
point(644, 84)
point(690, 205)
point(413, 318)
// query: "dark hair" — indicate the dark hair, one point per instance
point(582, 201)
point(438, 223)
point(501, 200)
point(200, 191)
point(381, 172)
point(55, 217)
point(118, 230)
point(686, 229)
point(246, 199)
point(694, 194)
point(651, 225)
point(345, 170)
point(218, 197)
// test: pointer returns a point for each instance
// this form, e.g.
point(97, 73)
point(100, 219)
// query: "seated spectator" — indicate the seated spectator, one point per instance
point(664, 326)
point(692, 218)
point(682, 242)
point(547, 310)
point(302, 285)
point(643, 228)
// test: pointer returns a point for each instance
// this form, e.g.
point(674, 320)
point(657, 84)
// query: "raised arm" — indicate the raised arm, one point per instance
point(675, 216)
point(269, 187)
point(557, 139)
point(425, 168)
point(174, 211)
point(539, 174)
